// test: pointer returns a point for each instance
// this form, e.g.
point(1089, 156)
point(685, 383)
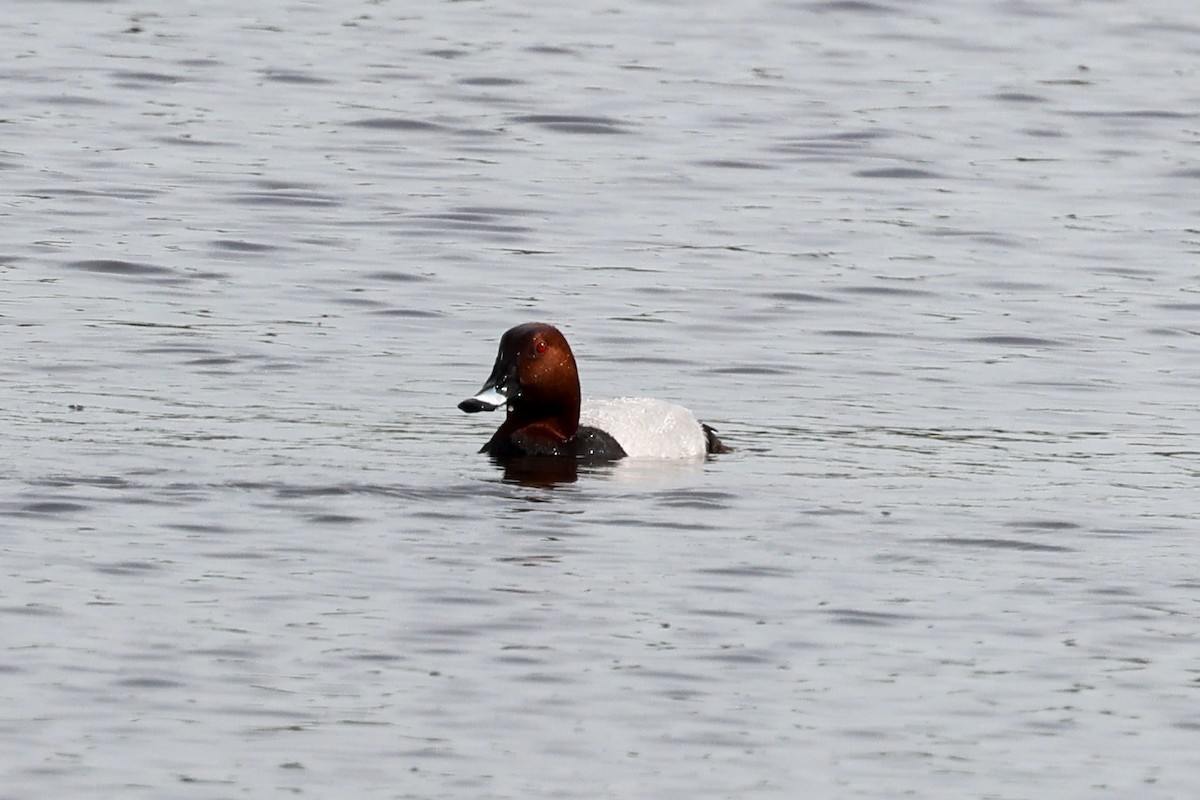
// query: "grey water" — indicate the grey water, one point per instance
point(932, 270)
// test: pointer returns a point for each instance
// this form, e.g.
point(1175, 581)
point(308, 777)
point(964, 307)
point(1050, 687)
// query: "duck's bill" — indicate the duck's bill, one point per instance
point(501, 387)
point(487, 400)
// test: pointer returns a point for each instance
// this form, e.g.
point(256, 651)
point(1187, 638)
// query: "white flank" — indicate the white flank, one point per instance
point(648, 428)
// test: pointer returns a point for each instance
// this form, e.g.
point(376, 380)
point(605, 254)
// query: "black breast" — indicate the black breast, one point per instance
point(594, 444)
point(588, 444)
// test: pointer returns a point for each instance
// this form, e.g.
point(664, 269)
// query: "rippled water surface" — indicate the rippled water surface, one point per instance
point(932, 271)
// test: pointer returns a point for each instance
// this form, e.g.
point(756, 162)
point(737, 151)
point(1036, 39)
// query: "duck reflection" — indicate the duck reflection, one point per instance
point(546, 472)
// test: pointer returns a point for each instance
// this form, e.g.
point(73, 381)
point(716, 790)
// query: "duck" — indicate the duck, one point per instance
point(536, 380)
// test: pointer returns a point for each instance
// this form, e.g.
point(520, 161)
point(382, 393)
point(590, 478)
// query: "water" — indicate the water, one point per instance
point(933, 273)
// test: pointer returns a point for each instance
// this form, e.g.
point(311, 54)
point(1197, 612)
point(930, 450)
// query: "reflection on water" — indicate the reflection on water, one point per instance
point(541, 471)
point(642, 474)
point(931, 274)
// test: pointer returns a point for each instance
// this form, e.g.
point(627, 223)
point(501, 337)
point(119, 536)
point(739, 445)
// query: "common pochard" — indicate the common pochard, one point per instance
point(535, 377)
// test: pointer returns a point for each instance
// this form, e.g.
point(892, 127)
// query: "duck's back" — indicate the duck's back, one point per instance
point(648, 428)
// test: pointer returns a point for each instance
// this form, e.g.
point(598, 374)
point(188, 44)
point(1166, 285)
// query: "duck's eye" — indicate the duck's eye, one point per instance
point(540, 347)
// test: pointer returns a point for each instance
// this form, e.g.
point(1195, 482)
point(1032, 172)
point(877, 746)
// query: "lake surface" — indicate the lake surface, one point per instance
point(933, 272)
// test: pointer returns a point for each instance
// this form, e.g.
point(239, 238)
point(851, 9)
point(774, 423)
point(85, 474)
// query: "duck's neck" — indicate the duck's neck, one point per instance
point(558, 419)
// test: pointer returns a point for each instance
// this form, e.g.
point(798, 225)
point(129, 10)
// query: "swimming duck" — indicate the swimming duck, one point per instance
point(536, 378)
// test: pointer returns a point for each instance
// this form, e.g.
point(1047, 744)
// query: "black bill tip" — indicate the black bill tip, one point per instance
point(473, 404)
